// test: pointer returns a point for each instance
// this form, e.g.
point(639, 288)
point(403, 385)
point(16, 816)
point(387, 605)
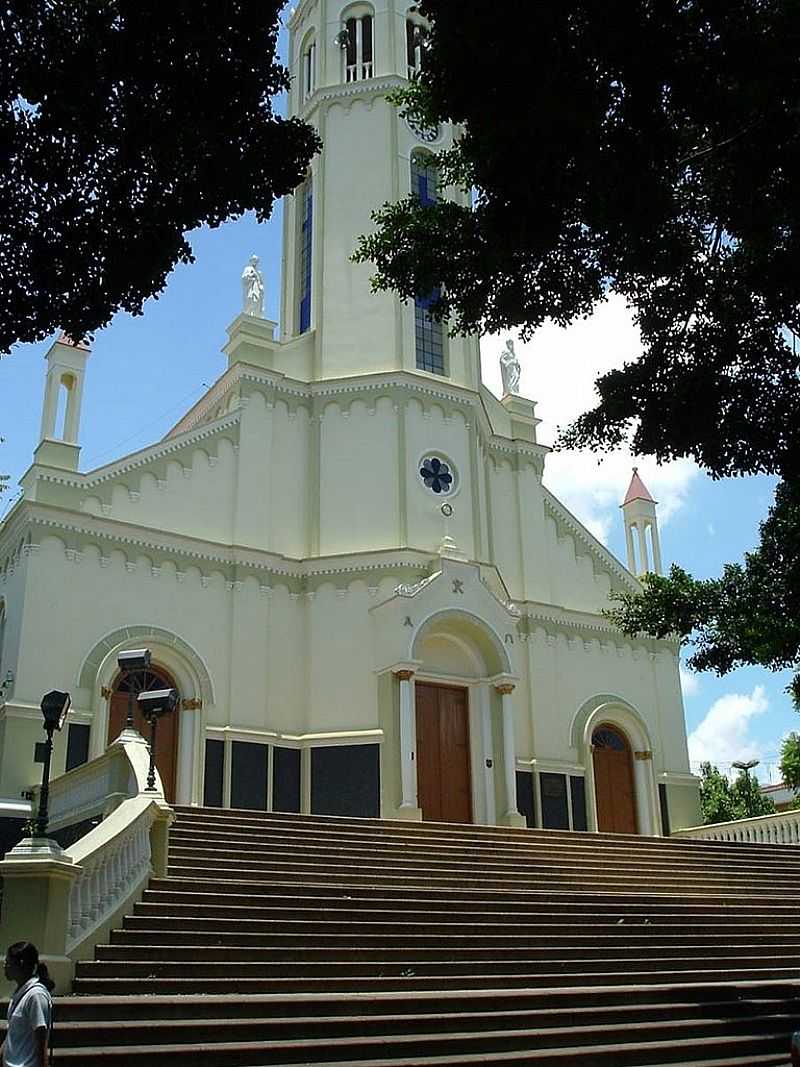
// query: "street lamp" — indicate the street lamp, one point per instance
point(746, 766)
point(153, 705)
point(131, 663)
point(55, 707)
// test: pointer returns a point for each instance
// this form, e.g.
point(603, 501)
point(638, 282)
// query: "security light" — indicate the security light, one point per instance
point(158, 702)
point(137, 659)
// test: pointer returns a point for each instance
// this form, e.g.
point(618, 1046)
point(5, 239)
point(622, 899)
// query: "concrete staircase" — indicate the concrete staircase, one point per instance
point(284, 939)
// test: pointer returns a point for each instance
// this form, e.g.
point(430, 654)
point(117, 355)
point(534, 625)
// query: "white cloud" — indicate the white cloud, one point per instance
point(559, 367)
point(690, 683)
point(724, 734)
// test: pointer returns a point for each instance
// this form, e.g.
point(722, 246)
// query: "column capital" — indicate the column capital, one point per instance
point(404, 674)
point(504, 688)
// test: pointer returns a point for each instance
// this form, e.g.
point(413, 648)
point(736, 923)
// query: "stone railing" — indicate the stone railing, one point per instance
point(66, 902)
point(781, 828)
point(96, 788)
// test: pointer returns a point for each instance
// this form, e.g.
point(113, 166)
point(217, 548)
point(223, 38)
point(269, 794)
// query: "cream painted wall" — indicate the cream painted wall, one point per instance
point(280, 542)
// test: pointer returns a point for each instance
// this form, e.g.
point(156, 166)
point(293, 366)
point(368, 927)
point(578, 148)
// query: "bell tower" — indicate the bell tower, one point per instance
point(641, 528)
point(61, 412)
point(345, 58)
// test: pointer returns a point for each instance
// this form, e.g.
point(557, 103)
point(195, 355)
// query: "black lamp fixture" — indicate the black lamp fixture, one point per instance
point(746, 766)
point(131, 663)
point(55, 707)
point(153, 705)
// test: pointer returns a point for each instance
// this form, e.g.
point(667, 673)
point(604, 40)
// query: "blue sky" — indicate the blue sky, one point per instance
point(145, 371)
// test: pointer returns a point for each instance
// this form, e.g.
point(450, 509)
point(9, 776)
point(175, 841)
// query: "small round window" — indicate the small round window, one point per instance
point(438, 474)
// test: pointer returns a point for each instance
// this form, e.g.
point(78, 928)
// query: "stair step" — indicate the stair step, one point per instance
point(448, 895)
point(106, 982)
point(257, 934)
point(412, 1051)
point(350, 954)
point(243, 848)
point(729, 997)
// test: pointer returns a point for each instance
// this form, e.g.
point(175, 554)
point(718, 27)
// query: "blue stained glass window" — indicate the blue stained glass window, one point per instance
point(306, 226)
point(428, 333)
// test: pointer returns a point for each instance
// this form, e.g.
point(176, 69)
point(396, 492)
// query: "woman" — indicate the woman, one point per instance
point(30, 1011)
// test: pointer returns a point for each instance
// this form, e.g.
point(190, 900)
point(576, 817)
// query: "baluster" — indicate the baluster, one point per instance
point(75, 907)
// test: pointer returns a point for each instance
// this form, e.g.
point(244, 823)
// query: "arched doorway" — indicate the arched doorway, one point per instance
point(613, 781)
point(167, 733)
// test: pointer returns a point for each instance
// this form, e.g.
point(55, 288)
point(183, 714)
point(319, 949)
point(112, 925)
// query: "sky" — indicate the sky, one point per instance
point(145, 371)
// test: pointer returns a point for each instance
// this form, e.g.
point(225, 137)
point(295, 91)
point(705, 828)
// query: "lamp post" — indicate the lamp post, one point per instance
point(131, 663)
point(153, 705)
point(747, 766)
point(55, 706)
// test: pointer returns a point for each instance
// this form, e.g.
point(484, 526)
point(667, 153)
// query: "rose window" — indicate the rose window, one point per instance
point(436, 474)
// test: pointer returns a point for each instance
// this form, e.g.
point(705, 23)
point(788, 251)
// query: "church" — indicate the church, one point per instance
point(343, 556)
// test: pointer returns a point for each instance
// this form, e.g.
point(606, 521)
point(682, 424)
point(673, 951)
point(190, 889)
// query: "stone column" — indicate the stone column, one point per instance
point(408, 747)
point(186, 748)
point(512, 815)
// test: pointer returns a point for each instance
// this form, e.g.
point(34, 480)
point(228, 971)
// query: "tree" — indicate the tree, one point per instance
point(124, 124)
point(646, 150)
point(790, 762)
point(721, 801)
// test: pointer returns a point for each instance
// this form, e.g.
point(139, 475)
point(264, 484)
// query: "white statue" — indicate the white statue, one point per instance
point(253, 289)
point(510, 369)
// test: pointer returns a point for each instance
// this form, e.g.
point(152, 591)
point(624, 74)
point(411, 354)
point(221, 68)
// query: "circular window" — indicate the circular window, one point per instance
point(438, 474)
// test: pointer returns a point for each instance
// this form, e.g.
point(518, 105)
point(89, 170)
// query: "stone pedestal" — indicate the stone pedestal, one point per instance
point(37, 882)
point(523, 418)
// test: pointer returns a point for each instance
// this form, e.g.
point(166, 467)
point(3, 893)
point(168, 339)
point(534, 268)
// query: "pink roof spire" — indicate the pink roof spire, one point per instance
point(637, 490)
point(65, 339)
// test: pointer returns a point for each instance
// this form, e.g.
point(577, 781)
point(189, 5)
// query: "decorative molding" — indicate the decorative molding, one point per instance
point(105, 692)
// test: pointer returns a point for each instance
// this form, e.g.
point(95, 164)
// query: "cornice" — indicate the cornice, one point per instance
point(349, 92)
point(163, 448)
point(586, 626)
point(590, 543)
point(235, 562)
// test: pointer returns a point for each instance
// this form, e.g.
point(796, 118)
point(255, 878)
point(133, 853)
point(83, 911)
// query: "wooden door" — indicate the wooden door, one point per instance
point(166, 731)
point(613, 781)
point(444, 788)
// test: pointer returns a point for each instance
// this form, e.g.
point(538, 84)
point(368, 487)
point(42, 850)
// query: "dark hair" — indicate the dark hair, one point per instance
point(27, 956)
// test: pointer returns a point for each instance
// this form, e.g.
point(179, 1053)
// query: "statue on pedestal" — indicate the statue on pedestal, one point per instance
point(253, 289)
point(510, 369)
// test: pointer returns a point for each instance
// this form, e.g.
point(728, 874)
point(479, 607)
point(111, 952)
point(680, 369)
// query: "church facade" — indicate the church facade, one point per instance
point(343, 556)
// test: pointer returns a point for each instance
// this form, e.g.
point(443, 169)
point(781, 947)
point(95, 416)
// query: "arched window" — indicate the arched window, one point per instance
point(416, 32)
point(308, 69)
point(428, 332)
point(357, 47)
point(304, 239)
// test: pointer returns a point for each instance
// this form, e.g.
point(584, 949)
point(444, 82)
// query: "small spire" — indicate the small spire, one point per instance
point(637, 490)
point(65, 339)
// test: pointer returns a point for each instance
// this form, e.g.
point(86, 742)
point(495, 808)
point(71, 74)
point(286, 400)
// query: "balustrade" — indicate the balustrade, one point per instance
point(780, 828)
point(67, 902)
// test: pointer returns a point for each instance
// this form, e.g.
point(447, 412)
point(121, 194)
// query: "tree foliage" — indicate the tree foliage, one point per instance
point(723, 801)
point(651, 151)
point(124, 124)
point(790, 762)
point(749, 615)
